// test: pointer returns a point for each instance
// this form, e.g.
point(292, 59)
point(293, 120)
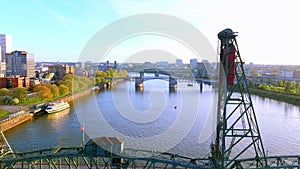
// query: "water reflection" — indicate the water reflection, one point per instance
point(58, 115)
point(139, 89)
point(278, 121)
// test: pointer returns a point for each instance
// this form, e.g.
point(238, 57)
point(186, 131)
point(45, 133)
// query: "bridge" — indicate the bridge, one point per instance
point(237, 141)
point(139, 81)
point(79, 157)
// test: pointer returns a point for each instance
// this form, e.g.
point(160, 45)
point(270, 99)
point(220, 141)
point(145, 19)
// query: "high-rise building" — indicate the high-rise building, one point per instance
point(2, 69)
point(193, 62)
point(179, 62)
point(6, 45)
point(20, 63)
point(2, 65)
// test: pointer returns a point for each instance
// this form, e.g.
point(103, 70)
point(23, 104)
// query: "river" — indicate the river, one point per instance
point(154, 119)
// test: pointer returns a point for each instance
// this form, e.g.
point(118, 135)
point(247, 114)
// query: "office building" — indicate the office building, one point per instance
point(6, 45)
point(179, 62)
point(193, 62)
point(20, 63)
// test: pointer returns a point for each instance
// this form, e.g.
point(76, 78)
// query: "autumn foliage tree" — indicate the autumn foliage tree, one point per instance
point(44, 92)
point(70, 83)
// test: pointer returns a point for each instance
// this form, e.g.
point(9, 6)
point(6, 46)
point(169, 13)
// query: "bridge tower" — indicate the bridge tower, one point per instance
point(237, 134)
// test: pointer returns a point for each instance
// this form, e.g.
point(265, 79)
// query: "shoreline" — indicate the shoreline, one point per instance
point(291, 99)
point(20, 114)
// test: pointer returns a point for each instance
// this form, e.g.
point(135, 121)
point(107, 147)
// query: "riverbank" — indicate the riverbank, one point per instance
point(20, 114)
point(292, 99)
point(14, 119)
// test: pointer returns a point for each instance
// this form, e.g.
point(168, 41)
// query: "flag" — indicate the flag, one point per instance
point(81, 128)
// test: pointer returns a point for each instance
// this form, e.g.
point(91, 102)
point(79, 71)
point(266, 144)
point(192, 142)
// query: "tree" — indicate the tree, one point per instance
point(99, 77)
point(68, 83)
point(54, 90)
point(37, 74)
point(44, 91)
point(262, 86)
point(4, 92)
point(292, 91)
point(298, 89)
point(20, 93)
point(6, 100)
point(68, 77)
point(63, 90)
point(280, 83)
point(16, 101)
point(293, 85)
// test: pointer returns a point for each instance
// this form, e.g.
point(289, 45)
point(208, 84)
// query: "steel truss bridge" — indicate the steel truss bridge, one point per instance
point(77, 157)
point(237, 142)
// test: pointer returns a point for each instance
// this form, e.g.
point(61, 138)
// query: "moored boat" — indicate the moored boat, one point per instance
point(54, 107)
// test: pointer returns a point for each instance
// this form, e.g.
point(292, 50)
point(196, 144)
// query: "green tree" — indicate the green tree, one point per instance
point(292, 91)
point(99, 77)
point(298, 88)
point(6, 100)
point(111, 73)
point(293, 85)
point(280, 83)
point(20, 93)
point(63, 90)
point(54, 90)
point(37, 74)
point(262, 86)
point(4, 92)
point(68, 77)
point(68, 83)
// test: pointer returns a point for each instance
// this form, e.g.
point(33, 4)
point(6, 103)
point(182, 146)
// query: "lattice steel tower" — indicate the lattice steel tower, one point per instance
point(237, 134)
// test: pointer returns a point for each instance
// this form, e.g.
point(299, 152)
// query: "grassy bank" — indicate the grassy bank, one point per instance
point(3, 113)
point(292, 99)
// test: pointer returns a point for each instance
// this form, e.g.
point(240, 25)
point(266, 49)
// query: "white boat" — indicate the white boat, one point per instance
point(54, 107)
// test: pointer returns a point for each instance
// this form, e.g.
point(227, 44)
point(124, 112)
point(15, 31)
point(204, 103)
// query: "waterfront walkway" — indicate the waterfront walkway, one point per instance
point(13, 109)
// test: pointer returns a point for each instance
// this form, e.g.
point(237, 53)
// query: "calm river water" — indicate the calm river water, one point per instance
point(154, 118)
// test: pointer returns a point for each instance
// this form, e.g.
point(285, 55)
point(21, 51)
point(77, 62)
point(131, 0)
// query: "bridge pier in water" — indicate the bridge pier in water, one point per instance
point(139, 81)
point(201, 86)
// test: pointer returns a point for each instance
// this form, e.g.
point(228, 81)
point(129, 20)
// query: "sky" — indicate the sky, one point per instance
point(58, 30)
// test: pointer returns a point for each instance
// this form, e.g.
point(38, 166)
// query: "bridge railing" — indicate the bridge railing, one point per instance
point(77, 156)
point(130, 158)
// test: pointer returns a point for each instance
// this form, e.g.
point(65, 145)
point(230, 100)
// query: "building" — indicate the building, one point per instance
point(286, 74)
point(60, 70)
point(14, 81)
point(179, 62)
point(193, 62)
point(2, 69)
point(162, 64)
point(296, 74)
point(6, 45)
point(201, 70)
point(20, 63)
point(105, 145)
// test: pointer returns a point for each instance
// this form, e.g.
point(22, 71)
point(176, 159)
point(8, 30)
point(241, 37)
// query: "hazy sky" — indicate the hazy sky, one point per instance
point(57, 30)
